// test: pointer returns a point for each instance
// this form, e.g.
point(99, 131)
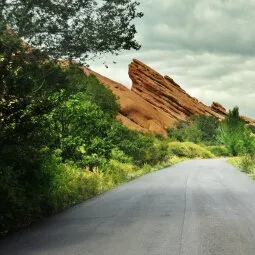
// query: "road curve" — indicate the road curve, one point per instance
point(204, 207)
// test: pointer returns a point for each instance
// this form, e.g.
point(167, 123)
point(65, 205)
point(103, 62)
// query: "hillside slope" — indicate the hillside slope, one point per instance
point(135, 112)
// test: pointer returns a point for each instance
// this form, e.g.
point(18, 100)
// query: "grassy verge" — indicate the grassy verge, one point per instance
point(73, 185)
point(83, 184)
point(246, 164)
point(76, 185)
point(68, 184)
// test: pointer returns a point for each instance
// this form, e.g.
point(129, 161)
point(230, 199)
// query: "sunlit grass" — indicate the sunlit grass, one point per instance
point(246, 164)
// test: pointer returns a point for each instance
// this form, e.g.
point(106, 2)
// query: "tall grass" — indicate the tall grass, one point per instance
point(245, 163)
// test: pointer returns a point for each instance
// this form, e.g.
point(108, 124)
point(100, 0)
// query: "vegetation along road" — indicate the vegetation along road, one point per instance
point(195, 207)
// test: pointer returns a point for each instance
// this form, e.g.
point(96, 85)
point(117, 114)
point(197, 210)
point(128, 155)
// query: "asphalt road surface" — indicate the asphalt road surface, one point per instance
point(195, 207)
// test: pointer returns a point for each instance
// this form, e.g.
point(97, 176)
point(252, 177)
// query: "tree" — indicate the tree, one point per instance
point(207, 126)
point(196, 129)
point(79, 127)
point(235, 135)
point(73, 29)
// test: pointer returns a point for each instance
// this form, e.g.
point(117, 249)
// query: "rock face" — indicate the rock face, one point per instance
point(166, 95)
point(156, 102)
point(219, 108)
point(135, 112)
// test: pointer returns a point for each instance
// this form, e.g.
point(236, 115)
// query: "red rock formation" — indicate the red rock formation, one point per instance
point(156, 102)
point(135, 112)
point(165, 94)
point(216, 107)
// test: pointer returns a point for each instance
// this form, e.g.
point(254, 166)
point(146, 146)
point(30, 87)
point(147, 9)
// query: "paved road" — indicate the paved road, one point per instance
point(196, 207)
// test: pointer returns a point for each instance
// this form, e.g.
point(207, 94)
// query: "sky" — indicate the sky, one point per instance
point(207, 46)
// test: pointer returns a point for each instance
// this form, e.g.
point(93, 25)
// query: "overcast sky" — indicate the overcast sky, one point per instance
point(207, 46)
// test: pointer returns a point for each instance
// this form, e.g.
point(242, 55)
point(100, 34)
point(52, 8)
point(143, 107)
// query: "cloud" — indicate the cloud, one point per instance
point(206, 46)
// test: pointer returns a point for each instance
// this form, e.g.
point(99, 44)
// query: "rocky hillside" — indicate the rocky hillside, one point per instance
point(156, 102)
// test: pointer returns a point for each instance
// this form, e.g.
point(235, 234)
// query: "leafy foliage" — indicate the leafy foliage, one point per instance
point(218, 150)
point(188, 150)
point(240, 140)
point(73, 29)
point(235, 135)
point(245, 163)
point(59, 140)
point(79, 127)
point(197, 129)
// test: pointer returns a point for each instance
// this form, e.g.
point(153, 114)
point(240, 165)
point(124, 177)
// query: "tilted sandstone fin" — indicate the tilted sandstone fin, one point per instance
point(156, 102)
point(165, 94)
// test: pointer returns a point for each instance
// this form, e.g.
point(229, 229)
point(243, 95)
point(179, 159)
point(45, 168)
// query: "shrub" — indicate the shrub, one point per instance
point(188, 150)
point(235, 135)
point(179, 132)
point(246, 164)
point(219, 151)
point(141, 148)
point(120, 156)
point(101, 95)
point(119, 172)
point(196, 129)
point(73, 185)
point(207, 126)
point(157, 152)
point(24, 190)
point(79, 128)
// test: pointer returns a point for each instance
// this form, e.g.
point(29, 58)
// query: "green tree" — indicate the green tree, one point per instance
point(179, 132)
point(196, 129)
point(234, 134)
point(73, 29)
point(102, 96)
point(79, 127)
point(207, 127)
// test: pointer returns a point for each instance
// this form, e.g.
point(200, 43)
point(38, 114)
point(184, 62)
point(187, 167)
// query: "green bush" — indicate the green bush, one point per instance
point(101, 95)
point(188, 150)
point(197, 129)
point(247, 164)
point(117, 154)
point(141, 148)
point(219, 151)
point(235, 135)
point(179, 132)
point(73, 185)
point(207, 126)
point(79, 128)
point(24, 190)
point(119, 172)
